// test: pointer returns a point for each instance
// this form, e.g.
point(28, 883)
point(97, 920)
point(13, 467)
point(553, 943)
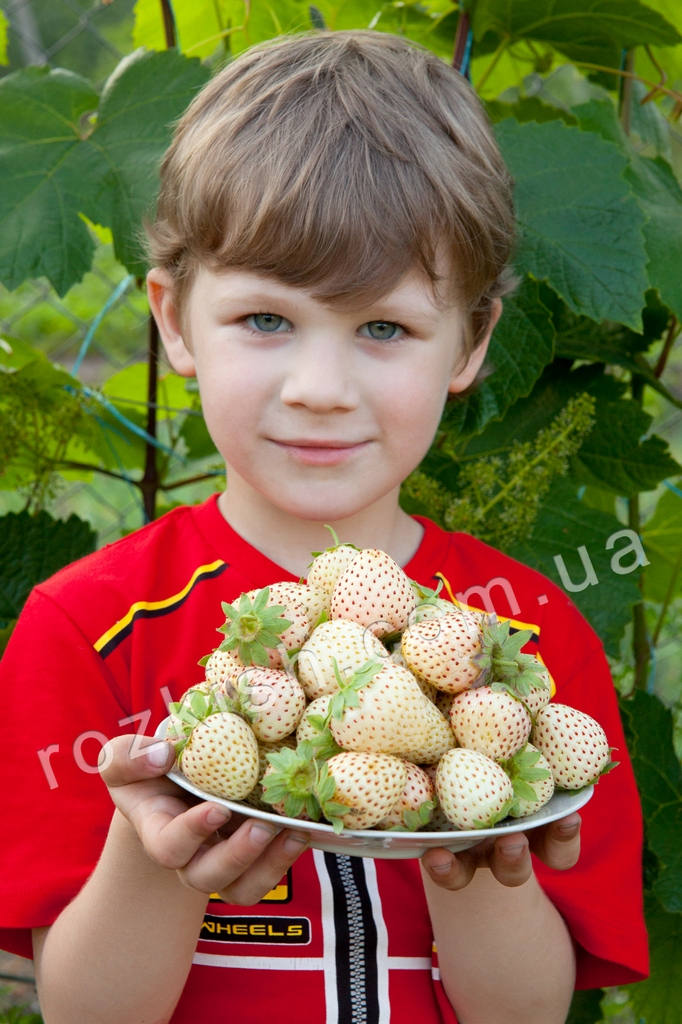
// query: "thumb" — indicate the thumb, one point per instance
point(125, 759)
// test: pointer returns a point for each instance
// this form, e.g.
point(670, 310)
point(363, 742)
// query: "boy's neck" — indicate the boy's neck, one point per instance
point(289, 541)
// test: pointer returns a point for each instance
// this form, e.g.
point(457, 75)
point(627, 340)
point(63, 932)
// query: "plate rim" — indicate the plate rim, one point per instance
point(389, 837)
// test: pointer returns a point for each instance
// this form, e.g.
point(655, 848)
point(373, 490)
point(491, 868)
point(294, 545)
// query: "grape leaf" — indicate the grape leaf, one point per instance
point(662, 536)
point(659, 196)
point(521, 346)
point(42, 115)
point(649, 732)
point(569, 544)
point(139, 103)
point(584, 30)
point(580, 228)
point(33, 547)
point(585, 1007)
point(657, 998)
point(616, 455)
point(64, 153)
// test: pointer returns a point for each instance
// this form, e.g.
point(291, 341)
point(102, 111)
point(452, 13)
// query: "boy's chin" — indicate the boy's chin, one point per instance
point(327, 509)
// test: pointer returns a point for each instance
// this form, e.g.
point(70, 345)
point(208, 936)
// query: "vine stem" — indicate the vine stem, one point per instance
point(151, 479)
point(459, 49)
point(149, 484)
point(641, 644)
point(626, 93)
point(670, 339)
point(169, 29)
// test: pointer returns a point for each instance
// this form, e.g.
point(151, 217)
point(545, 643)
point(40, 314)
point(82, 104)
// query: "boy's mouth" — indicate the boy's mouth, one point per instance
point(321, 453)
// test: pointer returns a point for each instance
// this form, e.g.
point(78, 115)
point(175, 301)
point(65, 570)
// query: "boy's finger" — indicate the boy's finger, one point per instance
point(510, 861)
point(171, 838)
point(130, 758)
point(447, 870)
point(247, 865)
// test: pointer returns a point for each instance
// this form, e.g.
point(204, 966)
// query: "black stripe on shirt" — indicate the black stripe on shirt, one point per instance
point(356, 941)
point(110, 640)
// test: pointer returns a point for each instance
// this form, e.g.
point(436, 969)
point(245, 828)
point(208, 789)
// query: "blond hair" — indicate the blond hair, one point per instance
point(337, 162)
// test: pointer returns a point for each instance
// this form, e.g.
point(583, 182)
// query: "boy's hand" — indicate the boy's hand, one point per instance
point(242, 866)
point(508, 857)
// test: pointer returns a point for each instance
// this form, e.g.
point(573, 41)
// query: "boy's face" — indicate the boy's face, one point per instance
point(319, 412)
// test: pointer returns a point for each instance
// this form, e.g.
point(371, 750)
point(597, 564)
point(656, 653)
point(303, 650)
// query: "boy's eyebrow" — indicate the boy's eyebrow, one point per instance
point(394, 307)
point(252, 295)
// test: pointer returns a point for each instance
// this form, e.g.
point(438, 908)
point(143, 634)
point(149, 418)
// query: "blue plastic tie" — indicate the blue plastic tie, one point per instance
point(128, 424)
point(118, 291)
point(673, 488)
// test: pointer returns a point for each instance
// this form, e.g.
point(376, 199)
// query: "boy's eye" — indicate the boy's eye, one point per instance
point(381, 330)
point(269, 323)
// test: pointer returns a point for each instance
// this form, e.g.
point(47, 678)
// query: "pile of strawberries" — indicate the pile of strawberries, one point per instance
point(362, 699)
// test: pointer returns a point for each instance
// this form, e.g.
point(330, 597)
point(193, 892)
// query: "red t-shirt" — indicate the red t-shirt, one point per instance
point(102, 646)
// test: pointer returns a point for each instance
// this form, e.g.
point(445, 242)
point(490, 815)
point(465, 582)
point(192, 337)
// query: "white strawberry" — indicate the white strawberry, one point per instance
point(473, 791)
point(539, 696)
point(532, 780)
point(289, 593)
point(445, 649)
point(375, 592)
point(336, 646)
point(574, 744)
point(382, 709)
point(367, 786)
point(490, 721)
point(220, 756)
point(222, 668)
point(428, 689)
point(327, 566)
point(415, 804)
point(272, 701)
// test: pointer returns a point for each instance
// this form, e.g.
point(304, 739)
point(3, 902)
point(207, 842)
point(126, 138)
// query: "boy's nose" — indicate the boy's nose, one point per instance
point(321, 379)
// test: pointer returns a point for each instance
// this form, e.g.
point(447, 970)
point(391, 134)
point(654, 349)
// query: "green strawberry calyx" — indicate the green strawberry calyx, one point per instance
point(523, 770)
point(503, 666)
point(324, 744)
point(495, 816)
point(347, 695)
point(253, 628)
point(414, 820)
point(302, 784)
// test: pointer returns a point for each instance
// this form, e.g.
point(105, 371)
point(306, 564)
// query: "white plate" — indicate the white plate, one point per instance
point(376, 843)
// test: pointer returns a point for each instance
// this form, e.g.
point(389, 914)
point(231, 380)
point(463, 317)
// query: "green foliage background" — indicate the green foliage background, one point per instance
point(564, 451)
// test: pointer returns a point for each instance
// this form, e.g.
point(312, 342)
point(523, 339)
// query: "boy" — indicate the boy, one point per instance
point(329, 251)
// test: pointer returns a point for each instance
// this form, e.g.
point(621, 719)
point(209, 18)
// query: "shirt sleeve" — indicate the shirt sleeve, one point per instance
point(60, 706)
point(601, 897)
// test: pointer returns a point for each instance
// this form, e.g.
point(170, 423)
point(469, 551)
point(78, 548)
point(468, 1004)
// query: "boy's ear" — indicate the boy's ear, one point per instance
point(161, 294)
point(464, 376)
